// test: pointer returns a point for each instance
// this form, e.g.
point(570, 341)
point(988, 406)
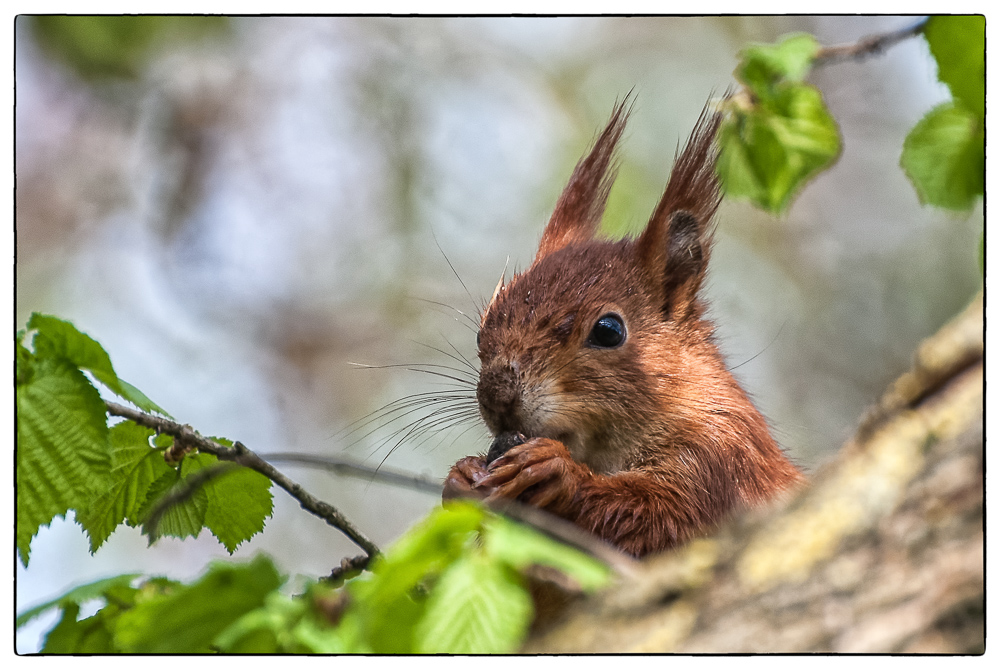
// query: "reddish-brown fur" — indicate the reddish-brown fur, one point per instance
point(645, 444)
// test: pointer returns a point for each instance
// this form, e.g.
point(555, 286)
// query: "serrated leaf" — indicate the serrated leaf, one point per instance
point(944, 157)
point(61, 339)
point(478, 606)
point(238, 501)
point(135, 466)
point(764, 65)
point(78, 596)
point(188, 619)
point(958, 44)
point(770, 149)
point(62, 446)
point(57, 338)
point(520, 546)
point(183, 518)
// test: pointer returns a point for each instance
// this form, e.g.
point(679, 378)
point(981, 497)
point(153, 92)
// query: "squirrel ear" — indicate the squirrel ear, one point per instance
point(579, 209)
point(675, 246)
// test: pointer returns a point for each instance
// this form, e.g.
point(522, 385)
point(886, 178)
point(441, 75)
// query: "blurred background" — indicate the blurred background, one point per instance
point(239, 209)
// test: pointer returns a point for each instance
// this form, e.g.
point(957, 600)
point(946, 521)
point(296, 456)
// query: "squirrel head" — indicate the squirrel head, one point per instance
point(598, 342)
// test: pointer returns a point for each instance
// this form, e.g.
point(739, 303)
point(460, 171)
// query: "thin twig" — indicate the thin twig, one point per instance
point(243, 456)
point(868, 46)
point(347, 468)
point(566, 532)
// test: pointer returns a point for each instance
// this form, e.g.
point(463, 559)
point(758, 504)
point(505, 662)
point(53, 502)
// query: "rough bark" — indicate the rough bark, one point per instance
point(882, 552)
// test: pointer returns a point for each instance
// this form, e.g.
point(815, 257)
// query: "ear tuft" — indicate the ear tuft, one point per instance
point(676, 243)
point(579, 209)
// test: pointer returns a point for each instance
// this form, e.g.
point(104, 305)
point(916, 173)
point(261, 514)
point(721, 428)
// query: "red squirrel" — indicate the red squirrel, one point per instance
point(610, 402)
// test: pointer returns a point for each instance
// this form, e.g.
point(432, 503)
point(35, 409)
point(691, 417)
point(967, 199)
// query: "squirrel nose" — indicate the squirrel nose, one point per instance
point(499, 395)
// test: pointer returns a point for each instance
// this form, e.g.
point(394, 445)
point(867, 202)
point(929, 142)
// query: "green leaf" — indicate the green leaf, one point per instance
point(520, 546)
point(238, 501)
point(958, 44)
point(291, 625)
point(89, 636)
point(62, 446)
point(477, 607)
point(429, 546)
point(183, 518)
point(78, 596)
point(23, 360)
point(232, 503)
point(777, 133)
point(95, 635)
point(763, 65)
point(316, 638)
point(944, 157)
point(769, 148)
point(387, 603)
point(260, 631)
point(386, 615)
point(60, 339)
point(135, 466)
point(137, 397)
point(188, 619)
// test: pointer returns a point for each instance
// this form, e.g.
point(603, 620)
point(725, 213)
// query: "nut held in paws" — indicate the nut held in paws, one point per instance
point(503, 443)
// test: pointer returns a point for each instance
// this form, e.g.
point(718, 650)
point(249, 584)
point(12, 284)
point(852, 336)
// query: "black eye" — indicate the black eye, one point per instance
point(479, 338)
point(608, 332)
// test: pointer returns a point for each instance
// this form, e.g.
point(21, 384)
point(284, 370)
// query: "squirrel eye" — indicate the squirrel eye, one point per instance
point(479, 338)
point(608, 332)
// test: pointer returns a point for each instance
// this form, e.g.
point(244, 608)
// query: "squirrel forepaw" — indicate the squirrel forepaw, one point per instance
point(539, 472)
point(463, 477)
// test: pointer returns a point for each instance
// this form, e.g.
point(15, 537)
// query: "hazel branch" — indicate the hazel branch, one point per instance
point(241, 455)
point(347, 468)
point(565, 532)
point(867, 46)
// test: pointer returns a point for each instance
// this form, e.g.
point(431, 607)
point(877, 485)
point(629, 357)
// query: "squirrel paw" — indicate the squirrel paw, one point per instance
point(539, 472)
point(462, 479)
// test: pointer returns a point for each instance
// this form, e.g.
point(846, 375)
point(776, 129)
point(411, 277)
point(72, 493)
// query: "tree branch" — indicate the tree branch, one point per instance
point(348, 568)
point(567, 533)
point(548, 524)
point(347, 468)
point(243, 456)
point(868, 46)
